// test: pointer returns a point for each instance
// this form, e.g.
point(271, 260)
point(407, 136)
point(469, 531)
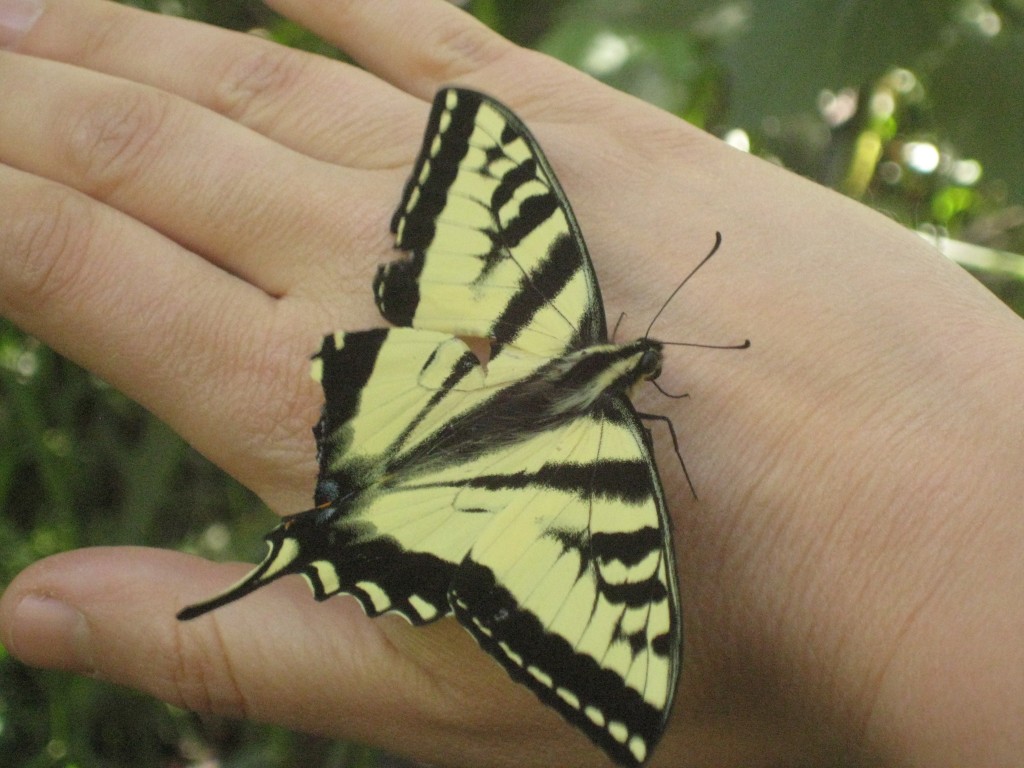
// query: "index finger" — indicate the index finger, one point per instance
point(325, 109)
point(420, 46)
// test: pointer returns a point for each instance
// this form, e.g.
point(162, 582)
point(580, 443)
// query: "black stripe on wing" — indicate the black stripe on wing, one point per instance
point(431, 192)
point(626, 480)
point(343, 376)
point(564, 260)
point(396, 285)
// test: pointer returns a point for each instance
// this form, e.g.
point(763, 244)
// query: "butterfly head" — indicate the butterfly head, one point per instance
point(648, 367)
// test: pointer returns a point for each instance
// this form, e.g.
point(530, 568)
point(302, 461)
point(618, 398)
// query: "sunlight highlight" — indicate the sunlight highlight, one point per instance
point(608, 53)
point(921, 156)
point(738, 138)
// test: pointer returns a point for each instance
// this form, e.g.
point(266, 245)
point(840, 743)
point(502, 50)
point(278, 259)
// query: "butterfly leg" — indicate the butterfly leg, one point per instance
point(675, 445)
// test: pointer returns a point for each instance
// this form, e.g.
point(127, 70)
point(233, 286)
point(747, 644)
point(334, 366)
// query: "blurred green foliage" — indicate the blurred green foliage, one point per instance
point(915, 108)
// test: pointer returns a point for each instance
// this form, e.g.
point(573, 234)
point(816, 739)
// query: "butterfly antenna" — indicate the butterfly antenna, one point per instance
point(714, 248)
point(615, 330)
point(742, 345)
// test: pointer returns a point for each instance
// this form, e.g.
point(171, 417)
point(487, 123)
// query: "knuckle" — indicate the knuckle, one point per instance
point(270, 372)
point(271, 453)
point(111, 140)
point(459, 49)
point(202, 677)
point(256, 82)
point(45, 247)
point(104, 30)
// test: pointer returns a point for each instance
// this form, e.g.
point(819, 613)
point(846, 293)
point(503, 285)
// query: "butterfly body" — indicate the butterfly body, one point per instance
point(518, 494)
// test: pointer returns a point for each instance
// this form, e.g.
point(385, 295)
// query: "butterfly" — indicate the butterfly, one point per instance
point(520, 493)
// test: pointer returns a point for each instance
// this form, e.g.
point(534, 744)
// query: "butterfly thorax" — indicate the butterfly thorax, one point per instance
point(584, 378)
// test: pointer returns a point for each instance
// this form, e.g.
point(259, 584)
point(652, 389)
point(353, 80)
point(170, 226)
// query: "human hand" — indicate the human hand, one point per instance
point(187, 211)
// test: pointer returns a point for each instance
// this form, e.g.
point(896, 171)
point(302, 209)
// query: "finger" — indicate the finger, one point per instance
point(218, 188)
point(217, 359)
point(416, 45)
point(422, 45)
point(110, 612)
point(279, 657)
point(322, 108)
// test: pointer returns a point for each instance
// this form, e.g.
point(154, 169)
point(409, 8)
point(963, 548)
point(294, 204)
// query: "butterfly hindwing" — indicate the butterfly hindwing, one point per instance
point(383, 530)
point(569, 587)
point(496, 250)
point(387, 396)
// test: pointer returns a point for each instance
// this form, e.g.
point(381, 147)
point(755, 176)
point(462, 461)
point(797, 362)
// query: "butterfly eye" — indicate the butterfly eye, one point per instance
point(649, 366)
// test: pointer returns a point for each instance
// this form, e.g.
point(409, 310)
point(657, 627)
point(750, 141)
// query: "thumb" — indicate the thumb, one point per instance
point(279, 656)
point(109, 612)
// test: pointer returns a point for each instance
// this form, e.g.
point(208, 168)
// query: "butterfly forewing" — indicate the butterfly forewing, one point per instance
point(496, 251)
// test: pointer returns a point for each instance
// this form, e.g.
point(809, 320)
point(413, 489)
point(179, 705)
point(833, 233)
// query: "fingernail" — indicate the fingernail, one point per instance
point(17, 18)
point(51, 634)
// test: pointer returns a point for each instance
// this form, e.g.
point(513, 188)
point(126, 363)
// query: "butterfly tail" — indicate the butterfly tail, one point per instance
point(284, 557)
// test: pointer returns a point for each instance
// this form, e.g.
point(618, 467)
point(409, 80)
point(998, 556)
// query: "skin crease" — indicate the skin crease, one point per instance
point(187, 211)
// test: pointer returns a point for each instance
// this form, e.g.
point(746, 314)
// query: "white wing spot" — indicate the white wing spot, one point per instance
point(595, 715)
point(483, 630)
point(285, 555)
point(316, 369)
point(639, 748)
point(618, 731)
point(327, 575)
point(568, 697)
point(540, 676)
point(378, 597)
point(512, 655)
point(426, 610)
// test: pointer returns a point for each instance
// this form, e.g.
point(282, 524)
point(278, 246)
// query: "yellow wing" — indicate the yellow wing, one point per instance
point(496, 251)
point(572, 588)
